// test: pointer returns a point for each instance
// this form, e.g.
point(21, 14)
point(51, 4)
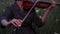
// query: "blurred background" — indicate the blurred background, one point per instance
point(52, 25)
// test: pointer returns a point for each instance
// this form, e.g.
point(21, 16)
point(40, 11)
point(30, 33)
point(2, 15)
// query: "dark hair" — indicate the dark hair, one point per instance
point(17, 0)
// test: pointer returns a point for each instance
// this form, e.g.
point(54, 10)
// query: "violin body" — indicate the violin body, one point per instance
point(29, 4)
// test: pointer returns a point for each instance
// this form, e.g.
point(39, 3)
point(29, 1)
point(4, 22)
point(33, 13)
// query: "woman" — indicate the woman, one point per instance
point(15, 13)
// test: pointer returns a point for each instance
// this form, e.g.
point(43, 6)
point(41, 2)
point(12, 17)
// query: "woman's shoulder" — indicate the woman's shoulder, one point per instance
point(12, 6)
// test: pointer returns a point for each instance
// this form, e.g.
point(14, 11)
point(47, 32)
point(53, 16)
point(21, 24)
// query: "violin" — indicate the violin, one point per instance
point(29, 4)
point(43, 5)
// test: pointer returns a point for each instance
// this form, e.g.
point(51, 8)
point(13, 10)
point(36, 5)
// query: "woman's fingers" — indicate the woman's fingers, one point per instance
point(53, 3)
point(16, 22)
point(13, 24)
point(20, 20)
point(19, 23)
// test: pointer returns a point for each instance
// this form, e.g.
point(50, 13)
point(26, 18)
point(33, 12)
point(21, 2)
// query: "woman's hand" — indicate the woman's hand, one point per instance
point(16, 22)
point(53, 3)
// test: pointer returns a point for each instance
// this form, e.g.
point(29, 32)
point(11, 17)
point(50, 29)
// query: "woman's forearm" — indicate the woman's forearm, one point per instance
point(46, 14)
point(48, 11)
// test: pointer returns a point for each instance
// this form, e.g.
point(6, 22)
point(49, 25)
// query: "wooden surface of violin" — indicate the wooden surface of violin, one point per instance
point(43, 5)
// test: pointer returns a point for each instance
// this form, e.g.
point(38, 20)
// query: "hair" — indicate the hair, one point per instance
point(17, 0)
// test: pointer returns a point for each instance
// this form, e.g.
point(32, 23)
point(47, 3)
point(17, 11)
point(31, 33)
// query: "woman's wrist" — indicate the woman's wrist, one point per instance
point(4, 22)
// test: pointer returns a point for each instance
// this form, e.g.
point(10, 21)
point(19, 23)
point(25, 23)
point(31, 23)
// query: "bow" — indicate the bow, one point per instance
point(29, 11)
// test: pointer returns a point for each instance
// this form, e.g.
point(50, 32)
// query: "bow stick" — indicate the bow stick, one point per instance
point(29, 11)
